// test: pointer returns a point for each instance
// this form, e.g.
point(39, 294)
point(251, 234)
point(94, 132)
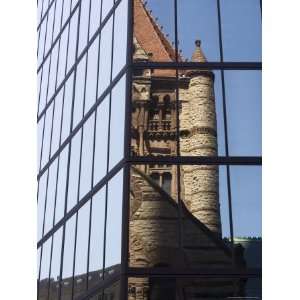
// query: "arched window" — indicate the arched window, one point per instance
point(153, 110)
point(167, 108)
point(167, 100)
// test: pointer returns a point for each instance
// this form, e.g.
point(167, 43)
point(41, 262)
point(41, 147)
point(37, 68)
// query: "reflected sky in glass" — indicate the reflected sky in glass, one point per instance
point(114, 220)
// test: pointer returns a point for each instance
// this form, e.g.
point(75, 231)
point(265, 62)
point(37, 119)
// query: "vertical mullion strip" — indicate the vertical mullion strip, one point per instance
point(93, 160)
point(127, 144)
point(226, 134)
point(80, 157)
point(129, 66)
point(180, 227)
point(69, 158)
point(108, 144)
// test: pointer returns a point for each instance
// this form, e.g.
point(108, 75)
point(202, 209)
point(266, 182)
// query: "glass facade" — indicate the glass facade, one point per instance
point(149, 149)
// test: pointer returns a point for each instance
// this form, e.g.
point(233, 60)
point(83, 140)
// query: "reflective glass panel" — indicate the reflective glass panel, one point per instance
point(101, 140)
point(41, 41)
point(81, 254)
point(74, 170)
point(67, 108)
point(114, 221)
point(87, 156)
point(38, 260)
point(97, 238)
point(94, 16)
point(120, 37)
point(63, 48)
point(244, 112)
point(57, 121)
point(72, 41)
point(84, 25)
point(79, 92)
point(40, 138)
point(247, 212)
point(66, 10)
point(53, 72)
point(39, 81)
point(39, 10)
point(49, 214)
point(117, 122)
point(49, 28)
point(45, 6)
point(241, 30)
point(105, 57)
point(61, 184)
point(47, 136)
point(106, 7)
point(68, 259)
point(55, 265)
point(198, 20)
point(44, 273)
point(74, 2)
point(91, 77)
point(42, 189)
point(44, 84)
point(58, 16)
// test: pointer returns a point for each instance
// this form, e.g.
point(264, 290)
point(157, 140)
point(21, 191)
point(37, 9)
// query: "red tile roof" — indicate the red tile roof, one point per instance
point(151, 38)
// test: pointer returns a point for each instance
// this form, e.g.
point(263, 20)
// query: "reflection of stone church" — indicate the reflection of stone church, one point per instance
point(156, 239)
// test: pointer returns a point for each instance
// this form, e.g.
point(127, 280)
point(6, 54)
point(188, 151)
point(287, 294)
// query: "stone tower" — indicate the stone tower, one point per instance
point(198, 137)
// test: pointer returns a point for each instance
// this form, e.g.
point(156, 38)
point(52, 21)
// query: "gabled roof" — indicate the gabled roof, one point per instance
point(150, 37)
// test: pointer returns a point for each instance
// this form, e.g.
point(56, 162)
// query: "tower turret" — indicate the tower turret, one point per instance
point(198, 137)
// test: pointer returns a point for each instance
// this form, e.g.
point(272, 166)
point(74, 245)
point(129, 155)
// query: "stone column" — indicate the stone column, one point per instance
point(198, 130)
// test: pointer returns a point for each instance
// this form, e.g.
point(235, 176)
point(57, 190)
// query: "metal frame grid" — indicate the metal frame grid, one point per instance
point(127, 161)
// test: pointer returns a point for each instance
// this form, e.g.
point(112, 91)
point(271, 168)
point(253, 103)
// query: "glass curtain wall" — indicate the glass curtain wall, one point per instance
point(149, 149)
point(82, 77)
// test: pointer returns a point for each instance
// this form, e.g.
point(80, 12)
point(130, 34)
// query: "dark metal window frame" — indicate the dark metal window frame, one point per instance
point(127, 161)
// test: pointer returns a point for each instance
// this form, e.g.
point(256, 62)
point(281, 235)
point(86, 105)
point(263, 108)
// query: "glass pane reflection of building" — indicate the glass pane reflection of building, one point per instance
point(192, 231)
point(175, 219)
